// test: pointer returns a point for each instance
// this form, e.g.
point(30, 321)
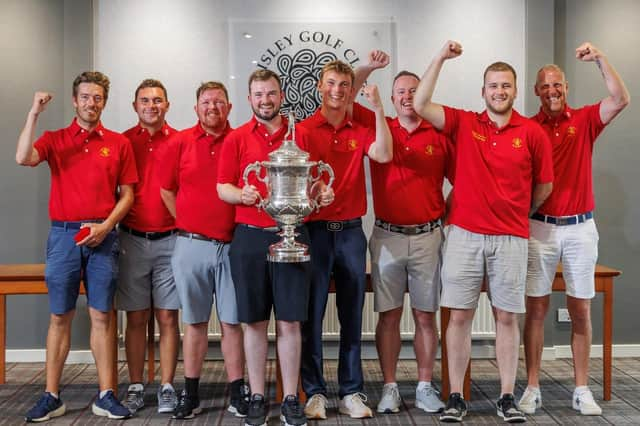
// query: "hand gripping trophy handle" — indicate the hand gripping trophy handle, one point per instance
point(256, 167)
point(321, 167)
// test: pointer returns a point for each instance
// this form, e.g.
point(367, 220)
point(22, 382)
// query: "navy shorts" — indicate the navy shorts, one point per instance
point(67, 264)
point(261, 285)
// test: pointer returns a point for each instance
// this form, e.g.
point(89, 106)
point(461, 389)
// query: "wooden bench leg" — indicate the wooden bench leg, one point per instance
point(3, 337)
point(607, 338)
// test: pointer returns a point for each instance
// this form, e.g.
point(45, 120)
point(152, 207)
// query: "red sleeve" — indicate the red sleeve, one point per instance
point(451, 121)
point(128, 170)
point(170, 163)
point(363, 115)
point(541, 154)
point(43, 146)
point(229, 165)
point(595, 124)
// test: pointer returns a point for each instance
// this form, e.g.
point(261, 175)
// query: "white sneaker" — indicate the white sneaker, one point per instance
point(531, 400)
point(316, 407)
point(428, 399)
point(583, 401)
point(390, 400)
point(354, 406)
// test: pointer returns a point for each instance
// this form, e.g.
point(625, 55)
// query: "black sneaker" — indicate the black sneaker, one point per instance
point(291, 412)
point(188, 406)
point(239, 400)
point(508, 409)
point(257, 415)
point(455, 410)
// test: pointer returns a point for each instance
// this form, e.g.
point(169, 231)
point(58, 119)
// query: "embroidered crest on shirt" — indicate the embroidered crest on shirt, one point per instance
point(478, 136)
point(352, 144)
point(516, 143)
point(104, 152)
point(428, 149)
point(571, 131)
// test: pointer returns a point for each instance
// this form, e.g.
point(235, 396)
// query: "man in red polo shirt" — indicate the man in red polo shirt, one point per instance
point(563, 229)
point(88, 165)
point(503, 172)
point(147, 237)
point(338, 243)
point(406, 241)
point(200, 260)
point(262, 285)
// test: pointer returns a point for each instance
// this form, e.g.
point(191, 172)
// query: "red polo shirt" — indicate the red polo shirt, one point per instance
point(496, 170)
point(572, 136)
point(86, 170)
point(247, 144)
point(148, 213)
point(344, 149)
point(408, 190)
point(190, 168)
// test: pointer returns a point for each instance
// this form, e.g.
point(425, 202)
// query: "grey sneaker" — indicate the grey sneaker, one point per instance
point(167, 399)
point(428, 399)
point(390, 400)
point(135, 397)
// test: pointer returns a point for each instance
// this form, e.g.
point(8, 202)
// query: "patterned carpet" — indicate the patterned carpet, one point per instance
point(25, 381)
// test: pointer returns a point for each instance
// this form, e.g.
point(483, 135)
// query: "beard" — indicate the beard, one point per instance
point(505, 107)
point(266, 117)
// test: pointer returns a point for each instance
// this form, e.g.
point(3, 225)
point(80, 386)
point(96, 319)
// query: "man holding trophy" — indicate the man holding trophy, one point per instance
point(261, 284)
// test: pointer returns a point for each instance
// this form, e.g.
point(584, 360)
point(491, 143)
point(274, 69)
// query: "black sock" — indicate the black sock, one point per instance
point(235, 386)
point(191, 385)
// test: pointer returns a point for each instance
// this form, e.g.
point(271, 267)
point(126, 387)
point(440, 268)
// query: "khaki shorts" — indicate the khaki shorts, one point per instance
point(401, 261)
point(468, 257)
point(576, 246)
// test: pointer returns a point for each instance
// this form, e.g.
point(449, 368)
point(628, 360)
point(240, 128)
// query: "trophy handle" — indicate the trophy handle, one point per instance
point(322, 167)
point(255, 167)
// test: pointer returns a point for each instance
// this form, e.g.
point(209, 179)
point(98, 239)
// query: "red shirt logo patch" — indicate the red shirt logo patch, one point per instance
point(104, 152)
point(352, 144)
point(478, 136)
point(516, 143)
point(428, 150)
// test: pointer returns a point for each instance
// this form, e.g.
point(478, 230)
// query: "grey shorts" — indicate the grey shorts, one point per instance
point(201, 269)
point(399, 261)
point(145, 274)
point(468, 256)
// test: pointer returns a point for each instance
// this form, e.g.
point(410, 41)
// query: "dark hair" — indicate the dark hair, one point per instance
point(95, 77)
point(150, 82)
point(264, 75)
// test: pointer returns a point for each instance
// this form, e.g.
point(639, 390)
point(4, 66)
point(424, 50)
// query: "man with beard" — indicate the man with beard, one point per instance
point(503, 172)
point(407, 236)
point(262, 285)
point(200, 260)
point(563, 229)
point(338, 243)
point(88, 165)
point(147, 238)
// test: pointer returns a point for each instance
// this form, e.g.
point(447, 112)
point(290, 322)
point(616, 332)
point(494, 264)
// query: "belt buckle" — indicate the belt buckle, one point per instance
point(410, 230)
point(561, 221)
point(335, 226)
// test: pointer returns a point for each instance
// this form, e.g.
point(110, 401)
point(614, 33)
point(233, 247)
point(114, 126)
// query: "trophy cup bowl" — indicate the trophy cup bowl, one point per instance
point(289, 177)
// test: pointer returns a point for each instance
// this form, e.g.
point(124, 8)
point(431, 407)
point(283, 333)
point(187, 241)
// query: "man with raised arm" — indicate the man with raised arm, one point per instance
point(563, 228)
point(92, 176)
point(405, 245)
point(200, 260)
point(338, 243)
point(503, 172)
point(147, 237)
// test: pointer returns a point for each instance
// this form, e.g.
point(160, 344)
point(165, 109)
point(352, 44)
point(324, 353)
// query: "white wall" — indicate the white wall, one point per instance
point(184, 43)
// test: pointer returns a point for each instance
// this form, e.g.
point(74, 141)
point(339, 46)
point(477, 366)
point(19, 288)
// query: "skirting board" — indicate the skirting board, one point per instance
point(480, 351)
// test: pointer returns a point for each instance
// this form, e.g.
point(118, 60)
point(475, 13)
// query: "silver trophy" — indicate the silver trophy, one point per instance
point(289, 178)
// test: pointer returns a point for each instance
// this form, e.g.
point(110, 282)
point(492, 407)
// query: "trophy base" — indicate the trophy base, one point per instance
point(288, 253)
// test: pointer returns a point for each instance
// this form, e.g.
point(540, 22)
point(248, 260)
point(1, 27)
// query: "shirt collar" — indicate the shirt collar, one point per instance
point(543, 117)
point(199, 132)
point(515, 120)
point(256, 126)
point(424, 125)
point(319, 120)
point(75, 129)
point(164, 130)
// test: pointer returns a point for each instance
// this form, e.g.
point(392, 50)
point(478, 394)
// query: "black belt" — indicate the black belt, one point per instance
point(148, 235)
point(197, 236)
point(337, 225)
point(563, 220)
point(74, 224)
point(408, 229)
point(267, 229)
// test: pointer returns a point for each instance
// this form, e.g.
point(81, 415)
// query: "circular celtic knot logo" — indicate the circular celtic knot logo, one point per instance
point(300, 75)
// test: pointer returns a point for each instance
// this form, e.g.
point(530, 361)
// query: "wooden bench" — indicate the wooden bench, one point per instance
point(23, 279)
